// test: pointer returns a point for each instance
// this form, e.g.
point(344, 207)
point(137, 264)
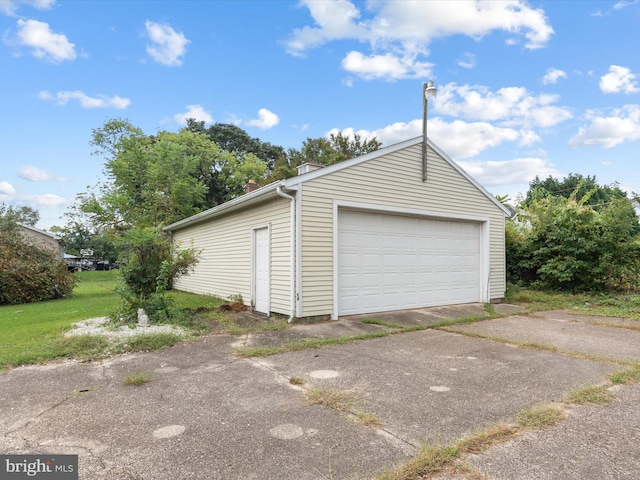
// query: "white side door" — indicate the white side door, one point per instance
point(261, 271)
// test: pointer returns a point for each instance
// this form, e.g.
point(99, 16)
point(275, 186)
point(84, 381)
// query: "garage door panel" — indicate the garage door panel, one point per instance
point(391, 262)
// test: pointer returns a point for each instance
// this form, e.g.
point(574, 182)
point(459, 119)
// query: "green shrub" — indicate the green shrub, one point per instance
point(148, 268)
point(566, 244)
point(29, 273)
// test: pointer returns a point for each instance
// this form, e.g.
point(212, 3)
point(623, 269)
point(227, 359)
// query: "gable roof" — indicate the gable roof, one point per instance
point(271, 190)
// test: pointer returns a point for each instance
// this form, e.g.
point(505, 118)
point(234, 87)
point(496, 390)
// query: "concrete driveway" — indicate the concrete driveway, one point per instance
point(208, 415)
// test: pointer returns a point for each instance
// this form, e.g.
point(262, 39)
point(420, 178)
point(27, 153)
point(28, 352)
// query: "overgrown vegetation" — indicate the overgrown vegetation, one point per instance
point(28, 272)
point(574, 236)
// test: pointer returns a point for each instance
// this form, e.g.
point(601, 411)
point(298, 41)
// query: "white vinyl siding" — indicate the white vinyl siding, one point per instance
point(225, 261)
point(392, 180)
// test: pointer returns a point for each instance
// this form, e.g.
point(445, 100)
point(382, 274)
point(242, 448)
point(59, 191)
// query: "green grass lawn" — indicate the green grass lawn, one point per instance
point(33, 333)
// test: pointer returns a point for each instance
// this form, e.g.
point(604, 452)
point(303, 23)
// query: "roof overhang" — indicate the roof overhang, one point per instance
point(257, 196)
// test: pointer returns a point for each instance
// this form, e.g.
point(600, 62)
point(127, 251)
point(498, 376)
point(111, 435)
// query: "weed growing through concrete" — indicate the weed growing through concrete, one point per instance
point(296, 381)
point(536, 346)
point(136, 379)
point(394, 329)
point(342, 401)
point(540, 417)
point(596, 394)
point(367, 419)
point(383, 323)
point(628, 376)
point(338, 400)
point(481, 441)
point(430, 460)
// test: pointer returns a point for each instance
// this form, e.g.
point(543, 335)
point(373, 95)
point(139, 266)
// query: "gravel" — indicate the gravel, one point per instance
point(98, 326)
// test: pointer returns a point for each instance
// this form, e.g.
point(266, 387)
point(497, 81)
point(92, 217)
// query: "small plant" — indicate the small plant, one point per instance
point(236, 298)
point(539, 417)
point(136, 379)
point(591, 394)
point(296, 381)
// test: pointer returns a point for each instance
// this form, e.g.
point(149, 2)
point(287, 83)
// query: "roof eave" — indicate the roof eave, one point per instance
point(245, 200)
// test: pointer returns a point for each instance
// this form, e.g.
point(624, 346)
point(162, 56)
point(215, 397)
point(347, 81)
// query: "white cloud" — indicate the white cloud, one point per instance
point(167, 46)
point(513, 106)
point(623, 4)
point(45, 200)
point(388, 66)
point(36, 201)
point(101, 101)
point(10, 7)
point(402, 31)
point(266, 120)
point(623, 125)
point(197, 112)
point(619, 79)
point(463, 140)
point(336, 20)
point(45, 44)
point(6, 188)
point(35, 174)
point(553, 75)
point(518, 170)
point(459, 139)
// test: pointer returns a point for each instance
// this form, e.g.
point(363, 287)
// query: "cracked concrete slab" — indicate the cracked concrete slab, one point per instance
point(565, 332)
point(586, 445)
point(207, 415)
point(435, 386)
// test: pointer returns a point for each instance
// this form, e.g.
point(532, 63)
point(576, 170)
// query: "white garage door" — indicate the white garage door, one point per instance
point(392, 262)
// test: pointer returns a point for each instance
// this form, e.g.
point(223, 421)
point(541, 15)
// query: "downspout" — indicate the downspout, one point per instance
point(292, 243)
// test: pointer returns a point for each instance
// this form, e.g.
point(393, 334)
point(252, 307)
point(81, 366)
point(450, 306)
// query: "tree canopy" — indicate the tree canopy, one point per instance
point(157, 180)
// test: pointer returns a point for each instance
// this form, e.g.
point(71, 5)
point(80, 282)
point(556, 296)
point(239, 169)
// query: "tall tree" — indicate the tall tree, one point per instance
point(584, 188)
point(326, 151)
point(156, 180)
point(24, 215)
point(234, 139)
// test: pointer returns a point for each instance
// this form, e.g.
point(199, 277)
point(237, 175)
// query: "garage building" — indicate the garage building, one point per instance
point(361, 236)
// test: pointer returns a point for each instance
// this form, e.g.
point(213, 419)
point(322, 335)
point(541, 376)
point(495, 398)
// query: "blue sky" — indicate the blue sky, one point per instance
point(524, 88)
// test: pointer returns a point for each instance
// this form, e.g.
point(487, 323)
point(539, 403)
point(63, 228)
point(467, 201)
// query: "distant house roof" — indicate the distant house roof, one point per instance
point(42, 232)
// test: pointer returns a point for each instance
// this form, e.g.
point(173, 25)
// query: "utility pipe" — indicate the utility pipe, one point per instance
point(292, 243)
